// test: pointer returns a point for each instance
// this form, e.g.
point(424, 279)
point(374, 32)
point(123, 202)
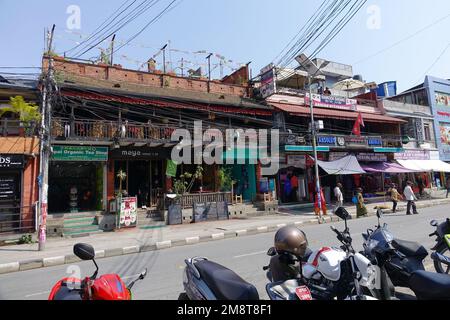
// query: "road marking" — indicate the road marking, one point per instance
point(249, 254)
point(37, 294)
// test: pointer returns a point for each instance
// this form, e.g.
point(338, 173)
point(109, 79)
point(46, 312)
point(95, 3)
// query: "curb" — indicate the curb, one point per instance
point(107, 253)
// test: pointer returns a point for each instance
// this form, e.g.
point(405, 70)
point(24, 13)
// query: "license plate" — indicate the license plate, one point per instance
point(303, 293)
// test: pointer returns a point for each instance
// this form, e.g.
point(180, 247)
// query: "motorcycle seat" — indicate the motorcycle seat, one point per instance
point(66, 294)
point(430, 286)
point(224, 283)
point(409, 248)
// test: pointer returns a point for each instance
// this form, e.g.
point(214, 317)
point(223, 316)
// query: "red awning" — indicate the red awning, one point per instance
point(166, 104)
point(303, 111)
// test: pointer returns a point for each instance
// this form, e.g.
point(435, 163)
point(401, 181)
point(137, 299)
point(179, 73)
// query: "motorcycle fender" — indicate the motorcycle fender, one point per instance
point(370, 274)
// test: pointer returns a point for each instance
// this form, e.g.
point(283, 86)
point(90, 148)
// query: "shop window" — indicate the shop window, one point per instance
point(427, 131)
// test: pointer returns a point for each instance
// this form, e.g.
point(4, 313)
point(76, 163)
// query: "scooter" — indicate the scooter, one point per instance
point(332, 273)
point(106, 287)
point(441, 256)
point(403, 261)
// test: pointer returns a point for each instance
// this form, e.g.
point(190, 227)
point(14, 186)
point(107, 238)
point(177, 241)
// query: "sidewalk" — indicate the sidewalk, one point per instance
point(60, 251)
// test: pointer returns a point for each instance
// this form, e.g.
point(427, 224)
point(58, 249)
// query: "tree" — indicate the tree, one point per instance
point(27, 112)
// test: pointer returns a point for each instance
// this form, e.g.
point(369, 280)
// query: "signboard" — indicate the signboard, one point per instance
point(268, 86)
point(298, 161)
point(375, 141)
point(326, 140)
point(171, 170)
point(444, 129)
point(12, 161)
point(128, 212)
point(442, 99)
point(355, 141)
point(333, 102)
point(412, 155)
point(7, 188)
point(419, 130)
point(79, 153)
point(363, 157)
point(141, 153)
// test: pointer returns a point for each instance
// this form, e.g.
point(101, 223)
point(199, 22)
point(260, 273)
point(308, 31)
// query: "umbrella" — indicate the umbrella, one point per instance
point(349, 85)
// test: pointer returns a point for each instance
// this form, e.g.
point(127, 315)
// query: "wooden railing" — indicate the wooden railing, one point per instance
point(188, 200)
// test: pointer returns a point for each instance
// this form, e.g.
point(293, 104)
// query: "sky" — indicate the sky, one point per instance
point(382, 42)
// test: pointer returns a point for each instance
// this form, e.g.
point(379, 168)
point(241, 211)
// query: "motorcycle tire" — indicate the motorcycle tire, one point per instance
point(445, 251)
point(183, 297)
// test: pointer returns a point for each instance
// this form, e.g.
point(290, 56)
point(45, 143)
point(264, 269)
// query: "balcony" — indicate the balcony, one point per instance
point(15, 128)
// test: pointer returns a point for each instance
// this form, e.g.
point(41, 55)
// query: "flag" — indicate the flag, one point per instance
point(357, 127)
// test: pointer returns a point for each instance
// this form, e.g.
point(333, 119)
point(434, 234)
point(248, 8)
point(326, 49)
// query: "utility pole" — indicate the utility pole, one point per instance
point(182, 67)
point(209, 66)
point(45, 146)
point(164, 58)
point(112, 50)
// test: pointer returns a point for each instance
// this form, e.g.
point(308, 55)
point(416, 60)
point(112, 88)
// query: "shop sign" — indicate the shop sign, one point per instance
point(371, 157)
point(7, 188)
point(268, 86)
point(79, 153)
point(327, 140)
point(298, 161)
point(375, 141)
point(412, 155)
point(171, 170)
point(141, 153)
point(128, 212)
point(442, 99)
point(332, 102)
point(12, 161)
point(354, 141)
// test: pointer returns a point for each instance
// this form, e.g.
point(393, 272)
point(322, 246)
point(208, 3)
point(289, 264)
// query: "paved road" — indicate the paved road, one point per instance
point(244, 255)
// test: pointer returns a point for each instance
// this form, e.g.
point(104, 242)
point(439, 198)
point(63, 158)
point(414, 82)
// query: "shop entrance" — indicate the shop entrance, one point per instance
point(75, 187)
point(10, 187)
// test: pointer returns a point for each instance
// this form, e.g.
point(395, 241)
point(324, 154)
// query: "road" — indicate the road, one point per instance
point(246, 256)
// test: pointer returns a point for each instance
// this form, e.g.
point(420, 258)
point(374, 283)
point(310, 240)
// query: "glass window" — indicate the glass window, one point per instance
point(427, 131)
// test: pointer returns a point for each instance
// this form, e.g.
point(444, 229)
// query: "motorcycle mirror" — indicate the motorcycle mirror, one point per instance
point(434, 223)
point(342, 213)
point(143, 274)
point(380, 213)
point(272, 252)
point(84, 251)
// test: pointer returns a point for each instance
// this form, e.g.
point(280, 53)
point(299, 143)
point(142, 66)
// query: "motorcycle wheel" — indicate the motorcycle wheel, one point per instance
point(442, 268)
point(183, 297)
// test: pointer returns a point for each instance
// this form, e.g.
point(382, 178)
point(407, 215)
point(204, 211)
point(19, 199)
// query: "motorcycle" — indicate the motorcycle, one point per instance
point(330, 273)
point(441, 255)
point(106, 287)
point(403, 261)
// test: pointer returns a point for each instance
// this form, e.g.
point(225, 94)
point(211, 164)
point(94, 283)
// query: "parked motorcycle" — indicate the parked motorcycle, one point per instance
point(106, 287)
point(441, 256)
point(403, 261)
point(330, 273)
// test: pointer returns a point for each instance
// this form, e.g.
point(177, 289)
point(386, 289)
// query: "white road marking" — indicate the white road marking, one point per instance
point(249, 254)
point(37, 294)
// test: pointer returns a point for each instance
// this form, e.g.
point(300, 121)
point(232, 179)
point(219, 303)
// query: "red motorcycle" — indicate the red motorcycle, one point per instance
point(107, 287)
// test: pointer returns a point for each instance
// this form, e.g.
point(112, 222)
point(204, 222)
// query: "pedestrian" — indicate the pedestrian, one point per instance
point(323, 203)
point(410, 197)
point(361, 210)
point(339, 196)
point(395, 195)
point(447, 185)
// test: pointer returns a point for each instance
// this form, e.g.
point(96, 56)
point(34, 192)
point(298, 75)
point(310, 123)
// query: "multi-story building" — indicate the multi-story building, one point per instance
point(19, 161)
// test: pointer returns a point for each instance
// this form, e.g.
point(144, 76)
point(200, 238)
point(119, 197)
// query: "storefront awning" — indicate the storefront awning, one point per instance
point(386, 167)
point(425, 165)
point(345, 166)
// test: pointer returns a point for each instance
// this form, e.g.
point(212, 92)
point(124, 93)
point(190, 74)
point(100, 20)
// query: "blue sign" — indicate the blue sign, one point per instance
point(375, 142)
point(327, 140)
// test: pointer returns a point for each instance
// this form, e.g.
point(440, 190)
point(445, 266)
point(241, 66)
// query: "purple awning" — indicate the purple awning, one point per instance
point(385, 167)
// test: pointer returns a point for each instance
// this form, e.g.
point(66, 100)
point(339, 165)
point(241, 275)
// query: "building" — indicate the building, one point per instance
point(287, 91)
point(19, 161)
point(112, 120)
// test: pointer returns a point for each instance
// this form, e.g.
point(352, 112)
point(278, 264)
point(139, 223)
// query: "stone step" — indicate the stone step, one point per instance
point(80, 221)
point(81, 230)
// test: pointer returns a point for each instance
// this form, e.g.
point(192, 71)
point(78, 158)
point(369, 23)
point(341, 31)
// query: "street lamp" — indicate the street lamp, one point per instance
point(313, 71)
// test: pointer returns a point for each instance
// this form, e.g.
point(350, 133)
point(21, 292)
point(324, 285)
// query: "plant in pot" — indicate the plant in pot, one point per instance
point(185, 183)
point(122, 176)
point(226, 181)
point(28, 113)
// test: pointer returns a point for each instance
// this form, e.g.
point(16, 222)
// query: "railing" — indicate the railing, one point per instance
point(17, 219)
point(188, 200)
point(16, 128)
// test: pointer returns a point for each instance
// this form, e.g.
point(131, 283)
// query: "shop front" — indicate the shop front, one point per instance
point(143, 171)
point(11, 182)
point(77, 176)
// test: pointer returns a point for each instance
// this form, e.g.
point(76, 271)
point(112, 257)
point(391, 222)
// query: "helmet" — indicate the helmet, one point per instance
point(291, 239)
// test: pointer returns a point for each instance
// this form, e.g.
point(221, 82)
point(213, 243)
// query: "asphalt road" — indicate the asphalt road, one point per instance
point(246, 256)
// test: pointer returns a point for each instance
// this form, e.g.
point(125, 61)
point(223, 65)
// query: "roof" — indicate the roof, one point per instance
point(304, 111)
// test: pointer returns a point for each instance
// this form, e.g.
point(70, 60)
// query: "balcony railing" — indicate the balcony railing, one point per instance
point(14, 128)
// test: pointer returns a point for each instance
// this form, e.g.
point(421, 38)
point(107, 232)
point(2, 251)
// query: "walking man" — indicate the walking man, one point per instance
point(394, 197)
point(339, 196)
point(410, 197)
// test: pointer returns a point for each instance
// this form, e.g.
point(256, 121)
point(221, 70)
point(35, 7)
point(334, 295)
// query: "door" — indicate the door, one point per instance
point(10, 196)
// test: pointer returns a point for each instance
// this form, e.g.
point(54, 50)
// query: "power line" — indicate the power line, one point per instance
point(436, 61)
point(403, 40)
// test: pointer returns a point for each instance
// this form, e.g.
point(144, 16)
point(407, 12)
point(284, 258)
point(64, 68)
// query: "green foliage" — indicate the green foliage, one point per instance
point(225, 179)
point(26, 239)
point(122, 176)
point(27, 112)
point(182, 186)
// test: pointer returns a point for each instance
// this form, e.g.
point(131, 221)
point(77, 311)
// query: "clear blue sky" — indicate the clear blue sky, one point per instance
point(243, 31)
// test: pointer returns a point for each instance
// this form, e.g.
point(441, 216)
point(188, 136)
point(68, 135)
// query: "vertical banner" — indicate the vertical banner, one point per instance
point(128, 213)
point(171, 168)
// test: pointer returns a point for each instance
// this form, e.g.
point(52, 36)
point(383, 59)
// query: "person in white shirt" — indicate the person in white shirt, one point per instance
point(339, 196)
point(410, 197)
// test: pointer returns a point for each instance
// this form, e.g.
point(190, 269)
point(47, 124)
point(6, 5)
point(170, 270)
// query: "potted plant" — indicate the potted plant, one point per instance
point(122, 176)
point(28, 113)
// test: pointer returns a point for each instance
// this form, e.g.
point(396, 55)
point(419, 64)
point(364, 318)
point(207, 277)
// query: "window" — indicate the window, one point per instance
point(427, 132)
